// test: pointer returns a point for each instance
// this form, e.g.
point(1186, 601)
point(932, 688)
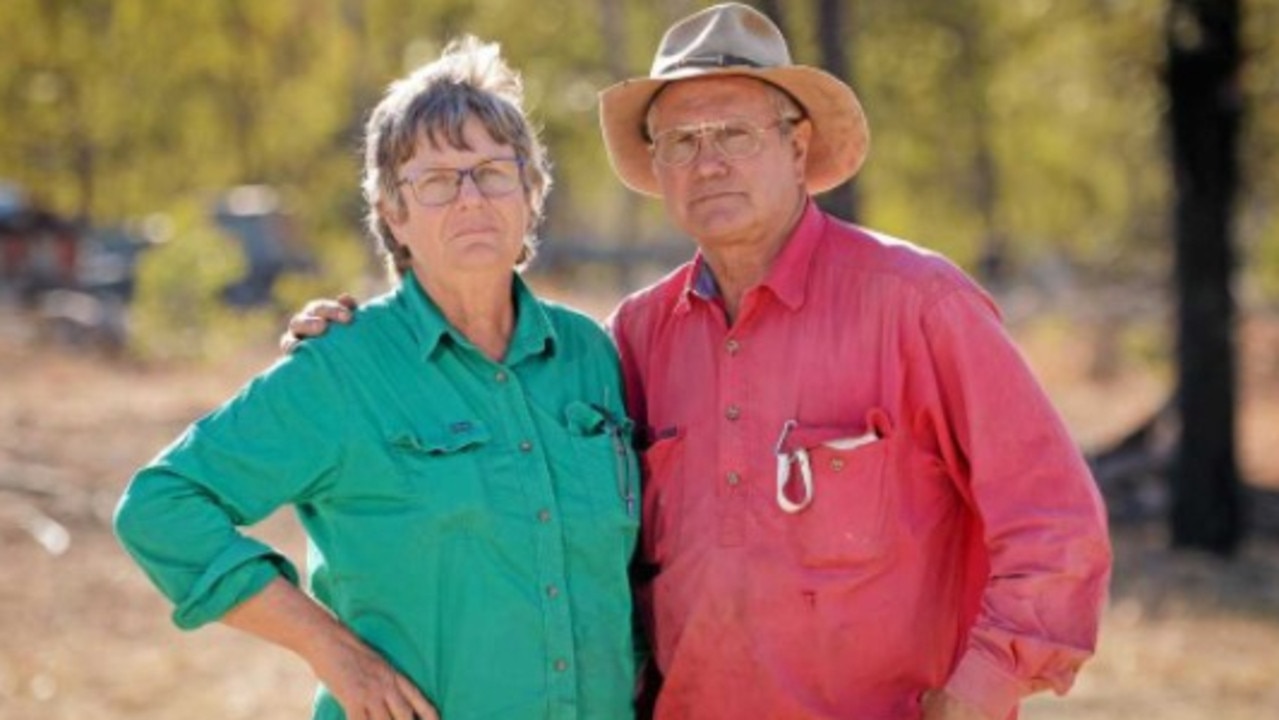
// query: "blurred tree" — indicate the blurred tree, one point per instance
point(1205, 111)
point(833, 33)
point(616, 54)
point(1021, 119)
point(773, 9)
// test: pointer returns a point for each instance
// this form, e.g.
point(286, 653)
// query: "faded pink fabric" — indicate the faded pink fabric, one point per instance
point(966, 548)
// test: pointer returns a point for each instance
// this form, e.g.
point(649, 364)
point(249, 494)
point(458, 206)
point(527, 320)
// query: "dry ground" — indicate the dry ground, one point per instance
point(83, 635)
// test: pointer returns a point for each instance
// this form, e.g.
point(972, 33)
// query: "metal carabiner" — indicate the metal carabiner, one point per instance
point(784, 461)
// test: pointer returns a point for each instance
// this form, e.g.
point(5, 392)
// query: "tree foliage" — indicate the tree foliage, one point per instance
point(1028, 122)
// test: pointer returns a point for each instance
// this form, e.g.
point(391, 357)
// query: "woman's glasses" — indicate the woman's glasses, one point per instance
point(494, 178)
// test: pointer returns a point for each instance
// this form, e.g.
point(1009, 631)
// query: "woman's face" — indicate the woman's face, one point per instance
point(472, 233)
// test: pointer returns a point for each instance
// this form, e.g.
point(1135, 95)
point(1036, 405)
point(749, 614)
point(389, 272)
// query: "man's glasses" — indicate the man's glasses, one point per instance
point(735, 139)
point(494, 178)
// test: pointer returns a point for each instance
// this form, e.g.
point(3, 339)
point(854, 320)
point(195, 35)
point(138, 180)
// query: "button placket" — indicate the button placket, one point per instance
point(547, 535)
point(733, 450)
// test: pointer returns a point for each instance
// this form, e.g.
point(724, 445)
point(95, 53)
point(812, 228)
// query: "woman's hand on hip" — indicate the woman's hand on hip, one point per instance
point(365, 684)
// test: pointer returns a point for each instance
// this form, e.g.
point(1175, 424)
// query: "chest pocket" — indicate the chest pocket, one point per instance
point(441, 471)
point(601, 441)
point(852, 472)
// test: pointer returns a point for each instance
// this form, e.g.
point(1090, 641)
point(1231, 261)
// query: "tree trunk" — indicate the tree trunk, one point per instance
point(840, 201)
point(773, 9)
point(1204, 118)
point(626, 231)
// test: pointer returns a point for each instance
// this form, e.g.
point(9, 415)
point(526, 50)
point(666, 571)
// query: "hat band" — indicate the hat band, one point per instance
point(704, 61)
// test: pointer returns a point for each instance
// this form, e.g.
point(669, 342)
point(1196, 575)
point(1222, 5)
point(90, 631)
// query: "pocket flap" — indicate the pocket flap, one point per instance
point(448, 437)
point(840, 437)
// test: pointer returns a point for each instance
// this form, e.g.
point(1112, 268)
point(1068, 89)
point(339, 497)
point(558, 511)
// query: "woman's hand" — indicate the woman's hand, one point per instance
point(360, 679)
point(363, 683)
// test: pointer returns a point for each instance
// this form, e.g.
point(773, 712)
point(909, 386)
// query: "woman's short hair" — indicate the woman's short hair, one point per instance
point(469, 80)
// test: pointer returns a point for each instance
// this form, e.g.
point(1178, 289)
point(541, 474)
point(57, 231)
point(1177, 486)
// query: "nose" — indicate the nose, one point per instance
point(709, 160)
point(468, 190)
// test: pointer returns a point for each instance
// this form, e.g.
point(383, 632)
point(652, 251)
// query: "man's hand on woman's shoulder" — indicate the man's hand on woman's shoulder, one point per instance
point(314, 318)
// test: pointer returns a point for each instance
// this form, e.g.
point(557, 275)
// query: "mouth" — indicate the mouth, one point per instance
point(478, 230)
point(713, 196)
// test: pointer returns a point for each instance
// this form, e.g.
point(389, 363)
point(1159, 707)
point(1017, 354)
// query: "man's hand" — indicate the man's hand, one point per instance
point(314, 319)
point(941, 705)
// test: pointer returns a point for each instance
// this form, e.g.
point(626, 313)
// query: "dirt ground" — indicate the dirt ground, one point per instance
point(82, 634)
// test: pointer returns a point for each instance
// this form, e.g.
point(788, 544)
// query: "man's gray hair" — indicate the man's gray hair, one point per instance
point(469, 80)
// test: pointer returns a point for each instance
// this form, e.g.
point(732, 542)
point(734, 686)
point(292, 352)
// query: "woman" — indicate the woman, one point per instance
point(458, 457)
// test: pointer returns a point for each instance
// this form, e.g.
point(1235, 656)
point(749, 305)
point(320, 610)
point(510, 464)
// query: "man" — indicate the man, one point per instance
point(858, 502)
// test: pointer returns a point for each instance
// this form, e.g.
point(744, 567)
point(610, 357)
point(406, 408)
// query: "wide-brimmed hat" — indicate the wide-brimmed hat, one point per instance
point(734, 39)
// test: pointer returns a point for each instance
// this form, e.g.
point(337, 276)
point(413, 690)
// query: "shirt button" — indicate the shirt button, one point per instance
point(544, 516)
point(561, 665)
point(499, 376)
point(526, 446)
point(733, 478)
point(732, 346)
point(552, 592)
point(733, 412)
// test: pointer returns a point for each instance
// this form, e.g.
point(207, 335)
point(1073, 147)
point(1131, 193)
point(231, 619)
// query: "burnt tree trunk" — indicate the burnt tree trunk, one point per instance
point(626, 230)
point(1205, 109)
point(840, 201)
point(773, 9)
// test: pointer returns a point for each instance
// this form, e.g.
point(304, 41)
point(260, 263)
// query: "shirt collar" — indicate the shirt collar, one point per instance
point(787, 277)
point(533, 333)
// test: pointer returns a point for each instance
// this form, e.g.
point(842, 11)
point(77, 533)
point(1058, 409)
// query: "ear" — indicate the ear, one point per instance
point(801, 136)
point(394, 213)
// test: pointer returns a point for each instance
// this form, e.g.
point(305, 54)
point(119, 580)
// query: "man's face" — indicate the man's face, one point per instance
point(719, 200)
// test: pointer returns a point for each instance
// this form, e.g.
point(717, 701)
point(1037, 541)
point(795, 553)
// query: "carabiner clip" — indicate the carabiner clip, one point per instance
point(784, 461)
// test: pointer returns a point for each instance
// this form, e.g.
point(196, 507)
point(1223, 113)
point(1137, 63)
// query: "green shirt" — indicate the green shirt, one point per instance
point(471, 520)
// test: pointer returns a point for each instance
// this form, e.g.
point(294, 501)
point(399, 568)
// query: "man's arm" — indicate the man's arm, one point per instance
point(1043, 521)
point(314, 318)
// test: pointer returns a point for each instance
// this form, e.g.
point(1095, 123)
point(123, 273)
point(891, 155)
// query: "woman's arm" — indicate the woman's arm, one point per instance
point(364, 684)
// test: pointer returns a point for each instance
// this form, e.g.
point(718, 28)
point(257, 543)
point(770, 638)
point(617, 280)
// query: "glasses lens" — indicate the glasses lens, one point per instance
point(737, 139)
point(676, 146)
point(436, 187)
point(734, 139)
point(493, 178)
point(497, 177)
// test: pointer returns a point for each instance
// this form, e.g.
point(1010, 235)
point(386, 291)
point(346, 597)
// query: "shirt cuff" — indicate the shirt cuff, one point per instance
point(985, 686)
point(238, 573)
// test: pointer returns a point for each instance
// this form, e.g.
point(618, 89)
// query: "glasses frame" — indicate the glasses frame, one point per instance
point(460, 176)
point(714, 129)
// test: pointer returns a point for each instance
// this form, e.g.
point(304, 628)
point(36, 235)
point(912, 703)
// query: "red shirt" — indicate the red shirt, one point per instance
point(954, 535)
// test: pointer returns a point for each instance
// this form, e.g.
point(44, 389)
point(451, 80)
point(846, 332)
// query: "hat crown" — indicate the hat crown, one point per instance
point(721, 36)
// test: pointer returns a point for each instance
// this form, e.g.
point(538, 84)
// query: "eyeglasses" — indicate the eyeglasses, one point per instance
point(735, 139)
point(494, 178)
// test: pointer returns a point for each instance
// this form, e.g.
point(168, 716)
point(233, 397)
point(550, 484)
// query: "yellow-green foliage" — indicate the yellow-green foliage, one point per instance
point(1034, 121)
point(178, 312)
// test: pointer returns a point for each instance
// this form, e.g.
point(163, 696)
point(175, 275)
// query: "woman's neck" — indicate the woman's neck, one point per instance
point(478, 306)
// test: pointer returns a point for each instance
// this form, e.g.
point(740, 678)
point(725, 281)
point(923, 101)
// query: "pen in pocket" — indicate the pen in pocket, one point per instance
point(617, 431)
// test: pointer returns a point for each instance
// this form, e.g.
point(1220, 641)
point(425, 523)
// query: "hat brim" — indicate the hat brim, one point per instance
point(839, 144)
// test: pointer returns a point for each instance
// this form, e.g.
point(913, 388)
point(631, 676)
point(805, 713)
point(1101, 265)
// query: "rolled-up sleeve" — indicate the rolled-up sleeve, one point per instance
point(272, 444)
point(1044, 523)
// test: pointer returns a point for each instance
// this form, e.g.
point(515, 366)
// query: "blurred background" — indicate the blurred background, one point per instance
point(177, 177)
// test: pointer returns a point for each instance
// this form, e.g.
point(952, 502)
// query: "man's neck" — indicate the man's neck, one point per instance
point(738, 267)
